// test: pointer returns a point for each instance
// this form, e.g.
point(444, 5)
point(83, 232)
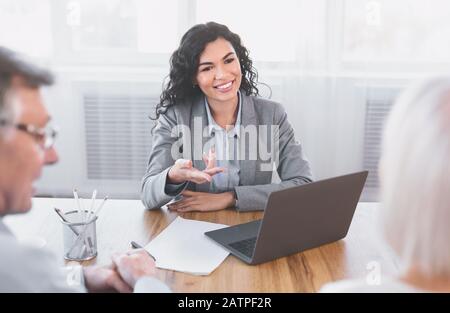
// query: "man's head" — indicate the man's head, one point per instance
point(25, 139)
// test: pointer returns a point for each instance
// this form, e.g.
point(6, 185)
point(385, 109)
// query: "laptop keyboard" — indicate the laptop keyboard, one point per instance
point(245, 246)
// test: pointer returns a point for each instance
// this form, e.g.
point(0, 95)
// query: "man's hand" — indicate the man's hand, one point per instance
point(133, 265)
point(203, 201)
point(104, 279)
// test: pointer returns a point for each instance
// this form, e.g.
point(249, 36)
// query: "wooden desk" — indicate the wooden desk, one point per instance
point(124, 220)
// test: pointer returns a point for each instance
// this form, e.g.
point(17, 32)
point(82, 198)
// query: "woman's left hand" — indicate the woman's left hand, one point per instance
point(203, 201)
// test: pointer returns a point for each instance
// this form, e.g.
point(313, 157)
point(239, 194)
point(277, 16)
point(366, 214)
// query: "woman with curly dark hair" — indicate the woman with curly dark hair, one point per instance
point(213, 132)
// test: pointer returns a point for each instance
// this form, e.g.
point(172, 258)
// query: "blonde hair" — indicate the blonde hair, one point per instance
point(415, 177)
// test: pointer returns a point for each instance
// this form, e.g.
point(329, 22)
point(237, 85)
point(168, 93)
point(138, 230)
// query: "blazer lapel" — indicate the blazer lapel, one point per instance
point(247, 167)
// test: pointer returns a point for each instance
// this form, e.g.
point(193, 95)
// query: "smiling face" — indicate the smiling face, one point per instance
point(219, 73)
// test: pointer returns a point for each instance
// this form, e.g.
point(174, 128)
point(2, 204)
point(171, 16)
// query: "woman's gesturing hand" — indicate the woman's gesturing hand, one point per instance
point(183, 170)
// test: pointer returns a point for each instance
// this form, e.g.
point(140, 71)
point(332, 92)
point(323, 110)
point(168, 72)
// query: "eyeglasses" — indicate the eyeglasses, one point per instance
point(45, 137)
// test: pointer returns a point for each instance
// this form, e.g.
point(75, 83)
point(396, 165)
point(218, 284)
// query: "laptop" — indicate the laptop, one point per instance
point(296, 219)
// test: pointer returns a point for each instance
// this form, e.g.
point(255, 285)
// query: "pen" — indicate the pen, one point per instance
point(61, 216)
point(135, 245)
point(97, 210)
point(75, 195)
point(83, 211)
point(94, 196)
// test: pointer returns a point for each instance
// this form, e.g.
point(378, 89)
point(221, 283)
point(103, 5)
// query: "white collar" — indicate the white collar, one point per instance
point(213, 126)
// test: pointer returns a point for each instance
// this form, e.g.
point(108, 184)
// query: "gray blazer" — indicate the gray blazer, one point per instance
point(170, 143)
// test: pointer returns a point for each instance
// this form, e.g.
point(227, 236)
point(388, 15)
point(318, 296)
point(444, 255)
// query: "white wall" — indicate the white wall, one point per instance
point(321, 59)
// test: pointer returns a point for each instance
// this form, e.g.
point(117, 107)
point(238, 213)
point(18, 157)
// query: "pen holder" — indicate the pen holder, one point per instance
point(80, 237)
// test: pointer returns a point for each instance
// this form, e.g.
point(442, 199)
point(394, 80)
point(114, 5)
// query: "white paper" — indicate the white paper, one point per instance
point(184, 247)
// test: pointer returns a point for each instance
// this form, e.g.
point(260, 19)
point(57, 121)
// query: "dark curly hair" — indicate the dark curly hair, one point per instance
point(184, 63)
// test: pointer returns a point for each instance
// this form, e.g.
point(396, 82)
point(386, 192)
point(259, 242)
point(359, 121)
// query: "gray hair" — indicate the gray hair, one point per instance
point(11, 64)
point(415, 178)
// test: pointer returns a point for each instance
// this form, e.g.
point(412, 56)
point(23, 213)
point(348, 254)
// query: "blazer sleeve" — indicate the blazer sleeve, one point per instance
point(155, 191)
point(293, 168)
